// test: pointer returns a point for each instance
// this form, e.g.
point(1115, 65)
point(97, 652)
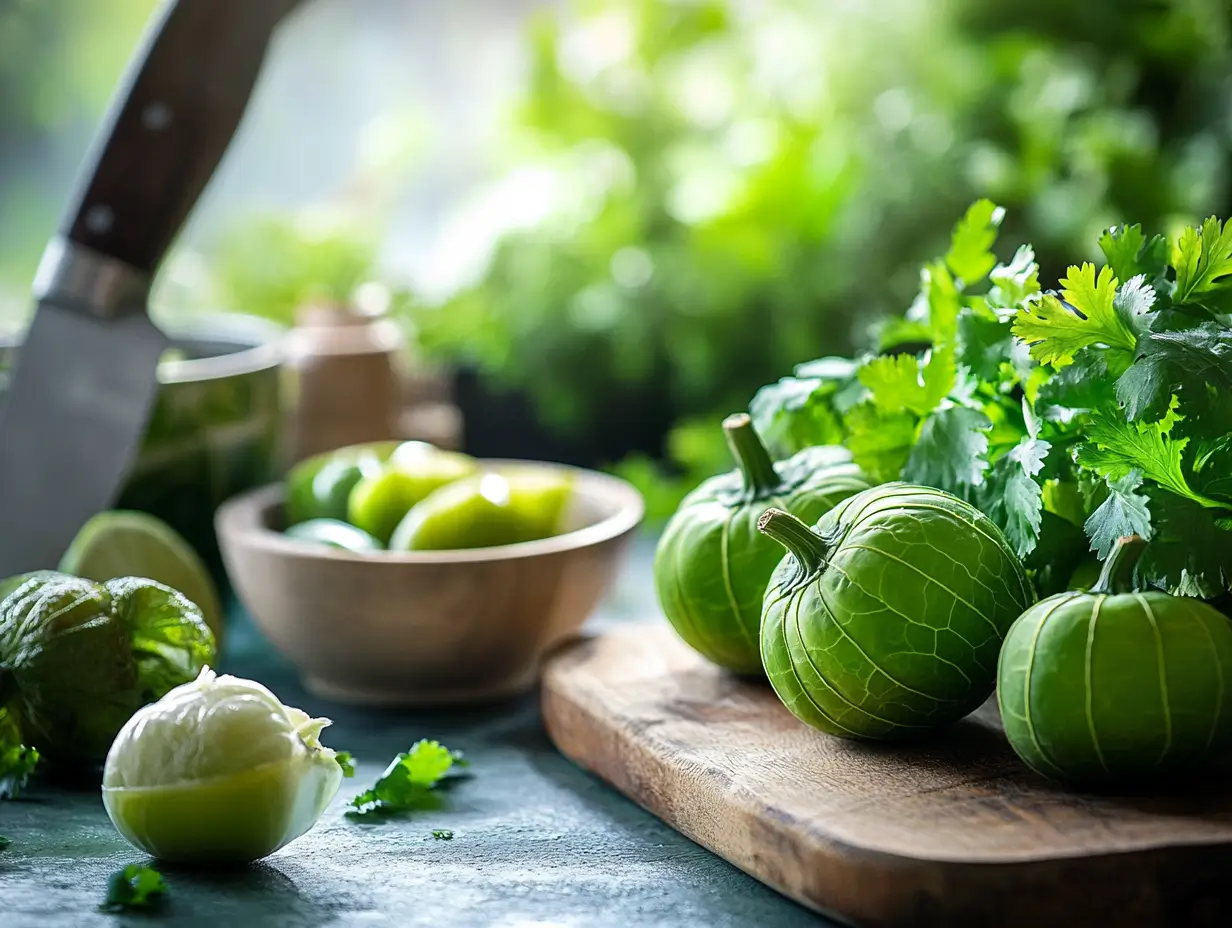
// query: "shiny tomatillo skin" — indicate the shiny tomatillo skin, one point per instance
point(1114, 685)
point(712, 565)
point(886, 620)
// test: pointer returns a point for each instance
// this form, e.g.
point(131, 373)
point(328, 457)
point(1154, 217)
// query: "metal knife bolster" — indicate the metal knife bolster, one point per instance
point(77, 277)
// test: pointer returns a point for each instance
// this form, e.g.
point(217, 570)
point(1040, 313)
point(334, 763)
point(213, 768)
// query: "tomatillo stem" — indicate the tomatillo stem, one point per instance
point(1118, 573)
point(805, 545)
point(760, 477)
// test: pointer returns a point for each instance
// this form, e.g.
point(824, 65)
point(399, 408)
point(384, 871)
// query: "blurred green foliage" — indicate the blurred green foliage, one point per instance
point(721, 190)
point(273, 265)
point(59, 61)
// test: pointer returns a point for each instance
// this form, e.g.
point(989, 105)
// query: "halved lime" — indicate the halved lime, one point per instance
point(120, 543)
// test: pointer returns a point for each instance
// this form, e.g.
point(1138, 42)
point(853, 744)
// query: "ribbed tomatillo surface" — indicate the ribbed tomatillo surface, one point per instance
point(1097, 687)
point(712, 565)
point(897, 626)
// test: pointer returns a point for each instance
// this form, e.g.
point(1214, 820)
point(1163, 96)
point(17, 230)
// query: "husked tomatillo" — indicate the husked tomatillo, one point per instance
point(218, 771)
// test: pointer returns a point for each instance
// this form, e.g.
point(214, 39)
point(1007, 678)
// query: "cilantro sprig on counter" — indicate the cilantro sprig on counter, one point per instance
point(410, 780)
point(17, 762)
point(134, 887)
point(1071, 416)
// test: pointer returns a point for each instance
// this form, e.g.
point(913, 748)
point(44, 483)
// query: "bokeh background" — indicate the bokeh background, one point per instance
point(610, 221)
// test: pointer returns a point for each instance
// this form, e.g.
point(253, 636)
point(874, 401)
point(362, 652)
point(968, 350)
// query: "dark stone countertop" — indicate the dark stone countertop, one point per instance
point(538, 842)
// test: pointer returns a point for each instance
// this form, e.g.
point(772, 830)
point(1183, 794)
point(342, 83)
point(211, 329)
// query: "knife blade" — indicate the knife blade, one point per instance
point(74, 417)
point(85, 378)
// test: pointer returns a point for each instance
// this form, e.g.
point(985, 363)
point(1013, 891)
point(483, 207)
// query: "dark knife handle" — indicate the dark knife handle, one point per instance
point(169, 125)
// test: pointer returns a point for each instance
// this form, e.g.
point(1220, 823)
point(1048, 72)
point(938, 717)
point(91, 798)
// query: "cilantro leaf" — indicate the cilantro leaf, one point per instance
point(880, 442)
point(1203, 261)
point(134, 887)
point(1213, 466)
point(1189, 554)
point(1080, 386)
point(1134, 301)
point(939, 302)
point(17, 762)
point(1130, 253)
point(409, 780)
point(4, 842)
point(1121, 245)
point(970, 257)
point(1064, 498)
point(803, 411)
point(901, 381)
point(346, 762)
point(1056, 330)
point(949, 453)
point(898, 332)
point(1124, 512)
point(1115, 448)
point(17, 765)
point(1013, 283)
point(984, 343)
point(442, 834)
point(1184, 362)
point(1013, 498)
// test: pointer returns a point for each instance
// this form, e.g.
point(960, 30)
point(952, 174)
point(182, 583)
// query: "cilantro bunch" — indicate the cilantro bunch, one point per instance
point(1069, 416)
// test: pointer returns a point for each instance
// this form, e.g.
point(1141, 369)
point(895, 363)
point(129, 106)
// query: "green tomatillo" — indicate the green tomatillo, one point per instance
point(319, 487)
point(382, 498)
point(77, 658)
point(495, 508)
point(1114, 685)
point(887, 619)
point(331, 533)
point(711, 566)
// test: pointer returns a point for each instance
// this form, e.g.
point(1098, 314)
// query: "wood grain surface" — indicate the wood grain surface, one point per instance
point(951, 831)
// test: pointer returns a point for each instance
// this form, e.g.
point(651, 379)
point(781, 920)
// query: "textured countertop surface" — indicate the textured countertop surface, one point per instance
point(538, 843)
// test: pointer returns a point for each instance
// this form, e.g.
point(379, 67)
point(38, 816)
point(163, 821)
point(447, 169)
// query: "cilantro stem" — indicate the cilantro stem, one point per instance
point(1118, 573)
point(805, 545)
point(760, 477)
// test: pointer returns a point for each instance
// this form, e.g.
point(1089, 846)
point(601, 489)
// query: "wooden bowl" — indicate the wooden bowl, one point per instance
point(427, 627)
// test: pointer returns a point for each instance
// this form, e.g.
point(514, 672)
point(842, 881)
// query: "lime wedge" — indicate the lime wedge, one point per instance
point(120, 543)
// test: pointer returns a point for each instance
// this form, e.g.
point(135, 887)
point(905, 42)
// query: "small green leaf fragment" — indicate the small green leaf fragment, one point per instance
point(1014, 497)
point(984, 342)
point(950, 452)
point(17, 762)
point(134, 887)
point(970, 257)
point(1121, 246)
point(1014, 283)
point(1203, 262)
point(4, 842)
point(1124, 512)
point(939, 301)
point(442, 834)
point(880, 443)
point(1135, 302)
point(346, 762)
point(796, 413)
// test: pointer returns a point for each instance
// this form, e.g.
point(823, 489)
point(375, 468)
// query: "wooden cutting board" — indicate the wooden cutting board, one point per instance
point(955, 831)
